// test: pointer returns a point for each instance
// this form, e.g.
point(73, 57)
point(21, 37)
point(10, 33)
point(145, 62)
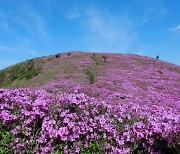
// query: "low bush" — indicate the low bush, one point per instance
point(57, 55)
point(91, 76)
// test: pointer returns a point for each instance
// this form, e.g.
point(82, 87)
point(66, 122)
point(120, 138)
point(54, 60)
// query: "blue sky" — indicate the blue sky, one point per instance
point(33, 28)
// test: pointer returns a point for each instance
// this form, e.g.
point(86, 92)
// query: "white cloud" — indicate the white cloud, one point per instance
point(3, 23)
point(108, 33)
point(175, 29)
point(34, 18)
point(154, 9)
point(149, 10)
point(41, 29)
point(30, 21)
point(74, 14)
point(101, 26)
point(4, 48)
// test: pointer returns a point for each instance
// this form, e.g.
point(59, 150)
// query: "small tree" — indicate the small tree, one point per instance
point(157, 57)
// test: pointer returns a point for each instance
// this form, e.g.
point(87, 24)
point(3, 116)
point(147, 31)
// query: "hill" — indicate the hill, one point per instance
point(98, 75)
point(80, 102)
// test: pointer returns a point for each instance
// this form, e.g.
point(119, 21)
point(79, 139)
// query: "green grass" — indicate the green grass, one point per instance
point(91, 76)
point(6, 137)
point(96, 60)
point(138, 60)
point(22, 71)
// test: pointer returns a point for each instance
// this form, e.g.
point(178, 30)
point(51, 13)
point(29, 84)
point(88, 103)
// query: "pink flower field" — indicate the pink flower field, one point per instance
point(93, 103)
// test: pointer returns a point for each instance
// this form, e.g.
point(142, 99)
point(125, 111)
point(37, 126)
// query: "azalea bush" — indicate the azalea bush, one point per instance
point(35, 121)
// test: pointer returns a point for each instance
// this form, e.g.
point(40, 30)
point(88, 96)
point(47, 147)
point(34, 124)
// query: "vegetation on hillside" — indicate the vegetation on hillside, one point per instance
point(91, 76)
point(90, 103)
point(22, 71)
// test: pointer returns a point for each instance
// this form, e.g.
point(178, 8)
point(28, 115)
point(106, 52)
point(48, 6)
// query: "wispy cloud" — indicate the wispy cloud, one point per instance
point(3, 23)
point(41, 30)
point(152, 10)
point(36, 18)
point(74, 14)
point(101, 26)
point(175, 29)
point(148, 11)
point(4, 48)
point(22, 30)
point(107, 32)
point(30, 22)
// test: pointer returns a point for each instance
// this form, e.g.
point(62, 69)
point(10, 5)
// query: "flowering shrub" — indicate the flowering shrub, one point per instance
point(35, 121)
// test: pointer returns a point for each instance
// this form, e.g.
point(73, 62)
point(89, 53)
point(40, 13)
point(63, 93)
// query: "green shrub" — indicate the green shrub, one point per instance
point(2, 77)
point(57, 55)
point(28, 71)
point(93, 56)
point(95, 59)
point(91, 76)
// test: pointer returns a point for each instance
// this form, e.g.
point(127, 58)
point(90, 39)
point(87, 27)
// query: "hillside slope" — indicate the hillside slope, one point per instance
point(90, 103)
point(107, 74)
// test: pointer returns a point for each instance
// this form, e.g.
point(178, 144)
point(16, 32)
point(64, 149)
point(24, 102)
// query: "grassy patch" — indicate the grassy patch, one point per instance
point(23, 71)
point(138, 60)
point(93, 147)
point(142, 84)
point(96, 60)
point(91, 76)
point(6, 137)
